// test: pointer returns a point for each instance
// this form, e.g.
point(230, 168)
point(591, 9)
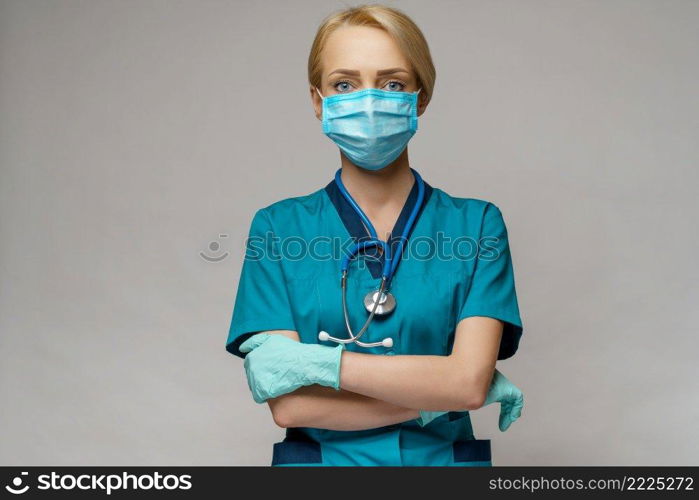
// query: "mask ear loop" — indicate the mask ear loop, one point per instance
point(417, 99)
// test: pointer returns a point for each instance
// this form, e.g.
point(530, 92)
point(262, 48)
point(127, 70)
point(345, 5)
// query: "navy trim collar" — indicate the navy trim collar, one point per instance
point(358, 232)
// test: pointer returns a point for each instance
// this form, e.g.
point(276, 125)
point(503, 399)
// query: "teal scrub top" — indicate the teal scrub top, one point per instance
point(456, 263)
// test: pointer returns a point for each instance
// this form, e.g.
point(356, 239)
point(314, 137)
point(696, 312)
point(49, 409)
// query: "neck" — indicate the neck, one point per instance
point(374, 189)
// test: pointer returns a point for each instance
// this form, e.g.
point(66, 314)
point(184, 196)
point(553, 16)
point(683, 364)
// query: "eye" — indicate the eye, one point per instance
point(395, 86)
point(342, 86)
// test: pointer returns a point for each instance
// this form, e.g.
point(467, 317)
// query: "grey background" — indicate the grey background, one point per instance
point(134, 133)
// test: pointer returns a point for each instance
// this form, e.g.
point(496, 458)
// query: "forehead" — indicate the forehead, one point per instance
point(363, 48)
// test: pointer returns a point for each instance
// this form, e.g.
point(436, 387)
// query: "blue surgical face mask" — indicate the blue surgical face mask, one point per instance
point(371, 126)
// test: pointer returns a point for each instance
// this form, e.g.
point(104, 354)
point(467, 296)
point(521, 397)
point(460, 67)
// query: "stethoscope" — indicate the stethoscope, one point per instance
point(378, 302)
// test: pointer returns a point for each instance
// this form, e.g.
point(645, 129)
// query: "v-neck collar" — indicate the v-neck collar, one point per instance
point(358, 232)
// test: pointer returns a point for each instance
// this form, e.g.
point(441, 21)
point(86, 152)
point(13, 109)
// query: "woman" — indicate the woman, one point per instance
point(405, 399)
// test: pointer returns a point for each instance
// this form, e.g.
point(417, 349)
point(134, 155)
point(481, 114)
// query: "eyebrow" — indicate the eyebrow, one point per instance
point(381, 72)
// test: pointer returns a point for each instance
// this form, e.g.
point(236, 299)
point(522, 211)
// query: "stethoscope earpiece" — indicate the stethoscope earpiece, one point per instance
point(387, 342)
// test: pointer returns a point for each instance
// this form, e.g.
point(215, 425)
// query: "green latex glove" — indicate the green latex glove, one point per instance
point(277, 365)
point(501, 390)
point(428, 416)
point(510, 397)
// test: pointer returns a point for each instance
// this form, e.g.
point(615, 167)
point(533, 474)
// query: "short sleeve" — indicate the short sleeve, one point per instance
point(261, 301)
point(492, 290)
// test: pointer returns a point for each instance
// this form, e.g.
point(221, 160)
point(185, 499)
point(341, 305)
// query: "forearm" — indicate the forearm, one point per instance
point(432, 383)
point(455, 382)
point(326, 408)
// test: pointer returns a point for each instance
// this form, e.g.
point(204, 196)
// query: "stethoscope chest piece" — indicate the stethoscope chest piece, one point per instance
point(387, 302)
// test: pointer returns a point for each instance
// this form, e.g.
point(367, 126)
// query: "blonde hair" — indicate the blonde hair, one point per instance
point(397, 24)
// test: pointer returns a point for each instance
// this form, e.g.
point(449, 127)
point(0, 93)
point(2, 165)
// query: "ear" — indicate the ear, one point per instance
point(422, 101)
point(317, 102)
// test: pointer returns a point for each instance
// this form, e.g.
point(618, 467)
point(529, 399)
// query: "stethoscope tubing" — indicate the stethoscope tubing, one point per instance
point(389, 267)
point(387, 342)
point(393, 260)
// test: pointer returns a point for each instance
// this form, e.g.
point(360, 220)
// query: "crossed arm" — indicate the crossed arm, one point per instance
point(384, 390)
